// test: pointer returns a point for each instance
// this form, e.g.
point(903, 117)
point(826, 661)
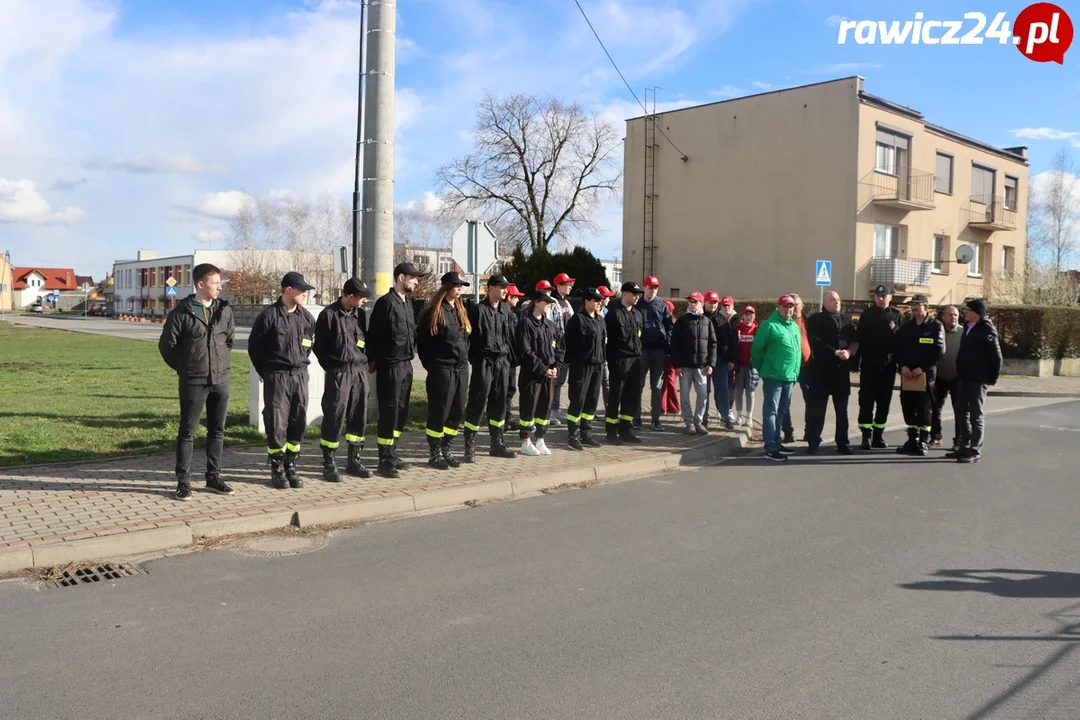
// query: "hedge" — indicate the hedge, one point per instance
point(1030, 332)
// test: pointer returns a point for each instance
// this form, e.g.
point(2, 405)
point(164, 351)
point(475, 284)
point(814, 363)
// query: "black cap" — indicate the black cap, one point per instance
point(920, 299)
point(355, 287)
point(882, 290)
point(453, 278)
point(977, 306)
point(541, 296)
point(591, 294)
point(631, 286)
point(498, 281)
point(407, 268)
point(296, 280)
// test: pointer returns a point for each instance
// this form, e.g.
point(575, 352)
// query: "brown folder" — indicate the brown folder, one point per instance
point(916, 384)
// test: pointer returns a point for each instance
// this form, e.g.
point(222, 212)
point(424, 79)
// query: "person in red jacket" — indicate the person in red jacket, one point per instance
point(746, 377)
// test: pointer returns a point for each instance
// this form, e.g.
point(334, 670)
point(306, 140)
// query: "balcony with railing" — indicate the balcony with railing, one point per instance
point(990, 212)
point(906, 189)
point(900, 271)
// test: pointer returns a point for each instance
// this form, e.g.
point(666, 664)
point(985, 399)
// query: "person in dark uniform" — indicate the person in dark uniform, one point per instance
point(489, 354)
point(279, 348)
point(877, 371)
point(341, 348)
point(442, 341)
point(832, 344)
point(586, 337)
point(625, 375)
point(391, 345)
point(513, 297)
point(540, 349)
point(919, 344)
point(978, 367)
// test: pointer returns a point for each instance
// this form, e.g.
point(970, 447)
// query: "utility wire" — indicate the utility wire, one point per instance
point(614, 65)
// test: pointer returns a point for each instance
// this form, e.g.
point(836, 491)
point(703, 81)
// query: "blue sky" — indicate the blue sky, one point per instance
point(137, 123)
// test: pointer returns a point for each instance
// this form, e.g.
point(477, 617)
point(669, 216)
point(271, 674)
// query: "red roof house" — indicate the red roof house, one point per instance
point(43, 278)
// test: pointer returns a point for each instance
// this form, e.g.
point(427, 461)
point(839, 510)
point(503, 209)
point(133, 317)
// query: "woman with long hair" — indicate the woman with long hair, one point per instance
point(442, 341)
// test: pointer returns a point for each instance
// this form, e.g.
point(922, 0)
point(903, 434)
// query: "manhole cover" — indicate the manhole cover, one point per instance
point(281, 546)
point(92, 575)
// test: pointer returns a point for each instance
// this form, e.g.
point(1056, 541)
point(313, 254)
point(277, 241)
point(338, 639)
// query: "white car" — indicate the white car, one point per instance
point(37, 308)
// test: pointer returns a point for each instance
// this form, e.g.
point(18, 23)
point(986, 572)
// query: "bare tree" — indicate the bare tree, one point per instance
point(1057, 212)
point(538, 170)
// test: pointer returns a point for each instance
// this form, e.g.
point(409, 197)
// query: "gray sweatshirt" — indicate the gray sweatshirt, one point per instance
point(946, 367)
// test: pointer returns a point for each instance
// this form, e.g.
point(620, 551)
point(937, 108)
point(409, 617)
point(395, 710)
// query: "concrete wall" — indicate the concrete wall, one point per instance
point(769, 188)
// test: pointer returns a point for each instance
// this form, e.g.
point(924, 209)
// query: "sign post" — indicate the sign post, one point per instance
point(822, 278)
point(474, 248)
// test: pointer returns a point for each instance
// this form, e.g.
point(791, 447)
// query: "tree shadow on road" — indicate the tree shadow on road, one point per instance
point(1005, 582)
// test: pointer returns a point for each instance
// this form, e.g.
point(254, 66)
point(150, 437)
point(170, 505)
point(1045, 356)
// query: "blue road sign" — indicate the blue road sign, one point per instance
point(823, 272)
point(170, 292)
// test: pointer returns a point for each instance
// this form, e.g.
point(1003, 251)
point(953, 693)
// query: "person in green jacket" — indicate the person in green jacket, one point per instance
point(777, 356)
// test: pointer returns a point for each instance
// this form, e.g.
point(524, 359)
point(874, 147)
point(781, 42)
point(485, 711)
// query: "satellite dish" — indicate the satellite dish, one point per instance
point(965, 254)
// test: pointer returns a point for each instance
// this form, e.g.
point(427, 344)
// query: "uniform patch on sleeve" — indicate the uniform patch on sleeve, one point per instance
point(926, 341)
point(305, 342)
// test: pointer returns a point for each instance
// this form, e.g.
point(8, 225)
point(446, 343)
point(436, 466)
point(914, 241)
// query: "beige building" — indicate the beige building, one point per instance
point(6, 280)
point(772, 183)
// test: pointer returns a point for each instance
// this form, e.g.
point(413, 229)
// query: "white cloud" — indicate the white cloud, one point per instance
point(1045, 133)
point(835, 20)
point(727, 91)
point(222, 205)
point(151, 164)
point(20, 202)
point(210, 238)
point(762, 85)
point(427, 202)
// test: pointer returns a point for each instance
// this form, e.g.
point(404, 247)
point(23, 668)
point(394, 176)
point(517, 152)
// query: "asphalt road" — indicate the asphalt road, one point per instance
point(825, 587)
point(149, 332)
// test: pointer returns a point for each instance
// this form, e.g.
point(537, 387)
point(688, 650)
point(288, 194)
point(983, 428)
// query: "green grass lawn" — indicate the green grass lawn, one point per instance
point(74, 396)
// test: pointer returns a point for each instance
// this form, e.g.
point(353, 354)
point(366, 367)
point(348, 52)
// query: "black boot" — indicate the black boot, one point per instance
point(626, 433)
point(789, 437)
point(586, 436)
point(470, 446)
point(356, 465)
point(879, 439)
point(290, 469)
point(445, 447)
point(387, 469)
point(398, 462)
point(498, 447)
point(912, 443)
point(573, 436)
point(329, 465)
point(613, 433)
point(865, 440)
point(922, 444)
point(435, 458)
point(277, 471)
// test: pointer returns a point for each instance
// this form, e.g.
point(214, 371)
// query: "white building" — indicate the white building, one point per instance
point(613, 270)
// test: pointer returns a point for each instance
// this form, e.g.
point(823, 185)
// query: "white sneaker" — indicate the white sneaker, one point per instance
point(527, 448)
point(542, 447)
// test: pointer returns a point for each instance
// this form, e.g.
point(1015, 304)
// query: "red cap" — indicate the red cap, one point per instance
point(563, 278)
point(605, 291)
point(785, 300)
point(696, 297)
point(727, 300)
point(513, 290)
point(652, 281)
point(749, 309)
point(712, 296)
point(543, 285)
point(670, 305)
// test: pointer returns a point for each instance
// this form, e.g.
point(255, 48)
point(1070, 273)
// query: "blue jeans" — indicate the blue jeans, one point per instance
point(720, 388)
point(775, 398)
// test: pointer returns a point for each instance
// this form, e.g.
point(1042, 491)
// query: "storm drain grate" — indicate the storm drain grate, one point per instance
point(96, 574)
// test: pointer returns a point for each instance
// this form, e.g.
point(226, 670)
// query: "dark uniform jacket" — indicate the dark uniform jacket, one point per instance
point(280, 340)
point(920, 345)
point(693, 343)
point(539, 346)
point(585, 339)
point(492, 331)
point(197, 341)
point(391, 332)
point(875, 336)
point(727, 338)
point(979, 359)
point(623, 332)
point(340, 340)
point(511, 329)
point(656, 323)
point(449, 346)
point(827, 333)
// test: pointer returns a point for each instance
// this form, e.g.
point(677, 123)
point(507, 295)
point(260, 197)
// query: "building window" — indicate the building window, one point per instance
point(187, 276)
point(941, 252)
point(982, 184)
point(943, 174)
point(886, 241)
point(892, 152)
point(1011, 193)
point(616, 276)
point(1008, 258)
point(975, 266)
point(675, 293)
point(446, 264)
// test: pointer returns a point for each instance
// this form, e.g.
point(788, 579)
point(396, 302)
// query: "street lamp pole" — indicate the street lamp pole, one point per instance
point(356, 223)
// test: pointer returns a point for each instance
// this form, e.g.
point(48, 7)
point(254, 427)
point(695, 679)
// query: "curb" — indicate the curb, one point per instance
point(141, 542)
point(1031, 394)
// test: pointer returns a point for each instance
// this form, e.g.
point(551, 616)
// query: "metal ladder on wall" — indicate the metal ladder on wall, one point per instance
point(649, 249)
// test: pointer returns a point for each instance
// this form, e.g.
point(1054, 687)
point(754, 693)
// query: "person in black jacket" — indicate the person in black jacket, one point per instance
point(919, 344)
point(391, 345)
point(489, 354)
point(586, 336)
point(341, 348)
point(196, 342)
point(978, 366)
point(721, 383)
point(513, 297)
point(693, 355)
point(442, 341)
point(279, 348)
point(541, 352)
point(877, 370)
point(626, 376)
point(832, 344)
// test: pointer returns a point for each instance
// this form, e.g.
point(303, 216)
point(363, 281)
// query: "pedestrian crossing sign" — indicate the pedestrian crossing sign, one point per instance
point(823, 272)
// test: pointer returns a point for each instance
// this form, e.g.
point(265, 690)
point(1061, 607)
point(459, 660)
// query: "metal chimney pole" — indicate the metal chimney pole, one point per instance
point(356, 214)
point(378, 175)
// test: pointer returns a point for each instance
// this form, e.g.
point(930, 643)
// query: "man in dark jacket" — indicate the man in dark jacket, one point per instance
point(832, 344)
point(489, 353)
point(341, 348)
point(693, 355)
point(279, 348)
point(624, 366)
point(513, 297)
point(657, 324)
point(946, 386)
point(978, 366)
point(585, 340)
point(722, 313)
point(196, 342)
point(877, 370)
point(919, 344)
